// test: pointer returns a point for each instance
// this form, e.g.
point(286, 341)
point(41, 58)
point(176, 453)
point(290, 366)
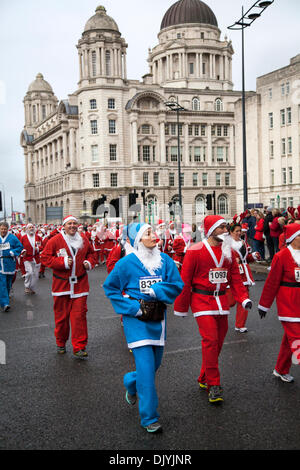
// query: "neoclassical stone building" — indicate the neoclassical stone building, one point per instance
point(115, 135)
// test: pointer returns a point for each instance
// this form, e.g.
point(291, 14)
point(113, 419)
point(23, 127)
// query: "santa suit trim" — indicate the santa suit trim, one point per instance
point(289, 319)
point(147, 342)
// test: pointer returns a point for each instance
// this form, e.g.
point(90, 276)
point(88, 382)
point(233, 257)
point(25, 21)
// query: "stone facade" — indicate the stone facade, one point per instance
point(114, 135)
point(273, 147)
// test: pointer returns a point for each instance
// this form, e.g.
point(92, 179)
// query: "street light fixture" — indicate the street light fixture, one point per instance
point(244, 22)
point(175, 106)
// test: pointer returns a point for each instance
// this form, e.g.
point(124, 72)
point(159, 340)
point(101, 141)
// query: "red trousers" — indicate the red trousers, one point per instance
point(71, 312)
point(213, 329)
point(289, 345)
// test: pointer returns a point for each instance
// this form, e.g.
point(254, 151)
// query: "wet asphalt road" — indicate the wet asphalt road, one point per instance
point(52, 402)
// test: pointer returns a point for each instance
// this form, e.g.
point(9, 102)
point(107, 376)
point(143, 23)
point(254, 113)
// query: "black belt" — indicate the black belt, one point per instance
point(290, 284)
point(67, 278)
point(208, 292)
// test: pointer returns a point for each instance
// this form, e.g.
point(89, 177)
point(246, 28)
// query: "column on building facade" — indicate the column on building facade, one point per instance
point(201, 65)
point(171, 66)
point(209, 145)
point(72, 148)
point(85, 63)
point(226, 68)
point(102, 54)
point(167, 70)
point(179, 65)
point(124, 65)
point(58, 155)
point(231, 148)
point(80, 65)
point(65, 151)
point(162, 140)
point(186, 145)
point(221, 62)
point(134, 141)
point(26, 165)
point(210, 66)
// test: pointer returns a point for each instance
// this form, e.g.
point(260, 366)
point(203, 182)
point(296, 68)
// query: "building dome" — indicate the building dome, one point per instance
point(39, 84)
point(101, 21)
point(189, 11)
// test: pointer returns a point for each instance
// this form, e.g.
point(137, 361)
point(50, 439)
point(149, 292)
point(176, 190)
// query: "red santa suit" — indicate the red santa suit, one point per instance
point(96, 241)
point(70, 287)
point(181, 244)
point(109, 242)
point(206, 272)
point(31, 258)
point(283, 283)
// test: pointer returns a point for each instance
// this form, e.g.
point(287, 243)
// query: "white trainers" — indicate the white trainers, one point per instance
point(242, 330)
point(283, 377)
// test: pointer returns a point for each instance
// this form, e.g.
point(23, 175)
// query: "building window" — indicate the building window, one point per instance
point(96, 180)
point(283, 202)
point(171, 179)
point(112, 126)
point(282, 117)
point(197, 154)
point(270, 93)
point(112, 152)
point(271, 121)
point(95, 153)
point(290, 145)
point(196, 129)
point(196, 104)
point(203, 130)
point(220, 154)
point(203, 68)
point(44, 111)
point(272, 177)
point(290, 202)
point(204, 179)
point(145, 129)
point(222, 205)
point(156, 178)
point(218, 179)
point(34, 113)
point(146, 153)
point(195, 179)
point(200, 206)
point(191, 67)
point(174, 153)
point(93, 104)
point(111, 104)
point(227, 179)
point(289, 115)
point(114, 180)
point(290, 175)
point(190, 129)
point(283, 175)
point(271, 148)
point(283, 147)
point(145, 179)
point(218, 105)
point(94, 69)
point(225, 133)
point(182, 179)
point(94, 127)
point(219, 131)
point(282, 89)
point(107, 63)
point(287, 88)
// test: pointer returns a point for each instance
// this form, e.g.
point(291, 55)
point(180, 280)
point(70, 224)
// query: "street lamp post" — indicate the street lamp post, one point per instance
point(244, 22)
point(175, 106)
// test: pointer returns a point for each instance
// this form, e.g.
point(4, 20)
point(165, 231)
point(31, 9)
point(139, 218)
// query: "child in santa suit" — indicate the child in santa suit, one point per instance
point(150, 280)
point(206, 272)
point(32, 244)
point(283, 283)
point(70, 256)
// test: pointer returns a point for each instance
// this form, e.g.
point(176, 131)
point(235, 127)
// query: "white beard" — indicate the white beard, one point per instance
point(227, 246)
point(236, 245)
point(76, 241)
point(295, 254)
point(150, 258)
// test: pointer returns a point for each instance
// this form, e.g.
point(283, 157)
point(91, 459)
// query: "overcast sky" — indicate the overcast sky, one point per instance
point(41, 36)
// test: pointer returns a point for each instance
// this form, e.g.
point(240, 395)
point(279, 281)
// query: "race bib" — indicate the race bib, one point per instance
point(297, 274)
point(241, 269)
point(217, 276)
point(62, 252)
point(5, 246)
point(147, 282)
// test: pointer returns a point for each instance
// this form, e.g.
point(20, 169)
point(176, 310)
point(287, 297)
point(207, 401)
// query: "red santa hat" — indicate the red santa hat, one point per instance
point(245, 227)
point(160, 223)
point(211, 222)
point(291, 232)
point(68, 218)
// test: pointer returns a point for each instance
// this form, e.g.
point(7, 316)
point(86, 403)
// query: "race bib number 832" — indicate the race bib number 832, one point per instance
point(147, 282)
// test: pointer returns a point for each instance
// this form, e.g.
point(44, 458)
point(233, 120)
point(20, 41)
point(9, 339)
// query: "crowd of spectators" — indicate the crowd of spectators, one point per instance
point(266, 229)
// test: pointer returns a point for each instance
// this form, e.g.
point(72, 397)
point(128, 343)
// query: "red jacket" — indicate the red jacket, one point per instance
point(275, 228)
point(67, 280)
point(259, 230)
point(32, 250)
point(283, 269)
point(198, 271)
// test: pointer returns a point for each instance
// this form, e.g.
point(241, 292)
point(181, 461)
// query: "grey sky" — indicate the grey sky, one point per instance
point(40, 36)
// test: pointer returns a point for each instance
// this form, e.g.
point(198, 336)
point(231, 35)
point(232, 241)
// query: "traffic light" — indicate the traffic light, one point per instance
point(102, 199)
point(132, 198)
point(209, 202)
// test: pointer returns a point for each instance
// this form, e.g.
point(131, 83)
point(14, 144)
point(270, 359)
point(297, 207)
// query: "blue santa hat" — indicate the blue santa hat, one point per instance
point(135, 232)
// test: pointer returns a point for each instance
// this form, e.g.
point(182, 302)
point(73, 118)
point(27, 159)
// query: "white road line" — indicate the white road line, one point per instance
point(25, 328)
point(198, 348)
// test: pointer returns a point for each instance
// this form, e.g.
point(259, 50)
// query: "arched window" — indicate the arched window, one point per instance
point(200, 206)
point(222, 205)
point(195, 104)
point(218, 104)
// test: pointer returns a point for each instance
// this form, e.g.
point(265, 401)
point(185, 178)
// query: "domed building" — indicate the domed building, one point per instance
point(115, 135)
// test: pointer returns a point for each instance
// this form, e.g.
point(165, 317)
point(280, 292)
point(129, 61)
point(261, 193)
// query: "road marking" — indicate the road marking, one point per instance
point(198, 348)
point(26, 328)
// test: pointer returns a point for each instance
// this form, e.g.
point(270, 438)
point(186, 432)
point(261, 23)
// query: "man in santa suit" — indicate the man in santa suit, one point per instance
point(109, 242)
point(70, 256)
point(160, 235)
point(206, 272)
point(283, 283)
point(32, 244)
point(170, 236)
point(96, 240)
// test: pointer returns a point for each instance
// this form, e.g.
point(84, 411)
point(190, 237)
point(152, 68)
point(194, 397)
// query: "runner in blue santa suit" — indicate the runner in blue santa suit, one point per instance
point(10, 249)
point(151, 276)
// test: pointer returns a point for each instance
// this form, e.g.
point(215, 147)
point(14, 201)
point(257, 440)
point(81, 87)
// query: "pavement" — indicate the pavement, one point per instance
point(52, 402)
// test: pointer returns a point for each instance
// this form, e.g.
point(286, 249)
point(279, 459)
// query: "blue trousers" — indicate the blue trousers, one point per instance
point(142, 381)
point(5, 286)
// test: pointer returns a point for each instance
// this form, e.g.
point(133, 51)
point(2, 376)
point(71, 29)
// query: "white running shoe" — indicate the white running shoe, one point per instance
point(284, 377)
point(241, 330)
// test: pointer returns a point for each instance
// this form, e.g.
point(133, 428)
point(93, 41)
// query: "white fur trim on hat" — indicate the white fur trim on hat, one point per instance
point(214, 226)
point(68, 218)
point(291, 238)
point(140, 234)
